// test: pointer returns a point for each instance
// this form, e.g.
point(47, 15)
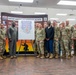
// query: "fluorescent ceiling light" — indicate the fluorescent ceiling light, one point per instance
point(17, 12)
point(71, 19)
point(73, 3)
point(59, 14)
point(39, 13)
point(27, 1)
point(54, 18)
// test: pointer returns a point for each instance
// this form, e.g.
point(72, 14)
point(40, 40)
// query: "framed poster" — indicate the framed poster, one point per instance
point(26, 29)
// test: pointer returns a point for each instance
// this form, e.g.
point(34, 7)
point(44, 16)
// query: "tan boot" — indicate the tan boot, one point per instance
point(42, 56)
point(56, 56)
point(4, 57)
point(38, 56)
point(64, 56)
point(1, 58)
point(11, 57)
point(47, 55)
point(51, 56)
point(14, 56)
point(68, 57)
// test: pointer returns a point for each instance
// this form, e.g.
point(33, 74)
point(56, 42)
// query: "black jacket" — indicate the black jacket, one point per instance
point(49, 32)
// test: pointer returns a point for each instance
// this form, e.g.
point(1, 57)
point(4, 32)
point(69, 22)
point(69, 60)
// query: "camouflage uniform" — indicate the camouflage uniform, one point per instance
point(56, 42)
point(40, 36)
point(65, 41)
point(69, 29)
point(74, 40)
point(2, 42)
point(34, 43)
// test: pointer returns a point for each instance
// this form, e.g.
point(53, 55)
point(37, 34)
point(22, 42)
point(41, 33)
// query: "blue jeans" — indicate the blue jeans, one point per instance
point(49, 46)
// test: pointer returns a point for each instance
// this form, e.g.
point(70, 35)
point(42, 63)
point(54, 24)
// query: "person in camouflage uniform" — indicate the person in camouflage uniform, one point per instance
point(69, 29)
point(64, 41)
point(2, 40)
point(40, 36)
point(34, 43)
point(74, 38)
point(45, 50)
point(56, 39)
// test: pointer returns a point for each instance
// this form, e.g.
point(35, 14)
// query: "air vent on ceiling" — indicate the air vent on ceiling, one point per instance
point(71, 14)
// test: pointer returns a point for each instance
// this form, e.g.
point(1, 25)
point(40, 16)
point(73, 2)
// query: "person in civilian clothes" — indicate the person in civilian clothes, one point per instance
point(49, 36)
point(13, 37)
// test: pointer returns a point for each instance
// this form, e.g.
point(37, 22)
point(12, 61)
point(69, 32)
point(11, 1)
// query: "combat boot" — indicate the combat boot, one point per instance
point(38, 55)
point(56, 56)
point(64, 56)
point(11, 57)
point(14, 56)
point(4, 57)
point(68, 57)
point(51, 56)
point(42, 56)
point(1, 58)
point(47, 55)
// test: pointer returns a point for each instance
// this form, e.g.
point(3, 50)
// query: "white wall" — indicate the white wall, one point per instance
point(50, 11)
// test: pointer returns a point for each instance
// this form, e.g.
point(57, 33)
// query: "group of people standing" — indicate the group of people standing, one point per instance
point(11, 33)
point(56, 40)
point(51, 41)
